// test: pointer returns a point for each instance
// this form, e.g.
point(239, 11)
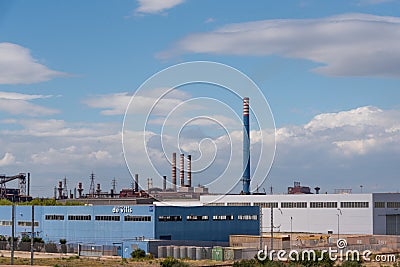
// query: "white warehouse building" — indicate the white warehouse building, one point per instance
point(372, 213)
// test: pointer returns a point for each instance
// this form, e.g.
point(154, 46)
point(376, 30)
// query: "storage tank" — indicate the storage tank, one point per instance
point(218, 254)
point(228, 254)
point(170, 251)
point(191, 253)
point(162, 251)
point(183, 252)
point(177, 252)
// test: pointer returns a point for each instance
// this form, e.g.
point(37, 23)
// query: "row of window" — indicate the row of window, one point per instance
point(266, 204)
point(389, 205)
point(294, 205)
point(354, 204)
point(115, 218)
point(302, 205)
point(247, 217)
point(206, 218)
point(323, 204)
point(107, 218)
point(130, 218)
point(19, 223)
point(393, 205)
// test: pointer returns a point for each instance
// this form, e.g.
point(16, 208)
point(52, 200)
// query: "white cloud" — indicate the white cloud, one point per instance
point(8, 159)
point(341, 149)
point(345, 45)
point(17, 66)
point(156, 6)
point(116, 104)
point(16, 103)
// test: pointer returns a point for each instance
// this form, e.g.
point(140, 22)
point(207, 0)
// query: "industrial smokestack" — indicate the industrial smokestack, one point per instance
point(60, 190)
point(174, 172)
point(136, 182)
point(98, 190)
point(80, 190)
point(246, 147)
point(164, 188)
point(189, 170)
point(182, 170)
point(29, 184)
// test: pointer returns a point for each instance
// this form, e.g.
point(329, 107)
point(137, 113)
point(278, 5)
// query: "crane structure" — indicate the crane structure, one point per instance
point(21, 184)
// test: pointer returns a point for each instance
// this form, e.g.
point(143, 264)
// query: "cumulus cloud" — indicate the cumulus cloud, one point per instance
point(17, 66)
point(16, 103)
point(8, 159)
point(339, 149)
point(116, 104)
point(156, 6)
point(344, 45)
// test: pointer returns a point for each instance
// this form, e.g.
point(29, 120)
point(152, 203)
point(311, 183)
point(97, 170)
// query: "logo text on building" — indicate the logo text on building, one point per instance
point(122, 209)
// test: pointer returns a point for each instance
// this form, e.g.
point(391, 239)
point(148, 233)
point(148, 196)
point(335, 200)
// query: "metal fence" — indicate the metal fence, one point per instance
point(97, 250)
point(40, 247)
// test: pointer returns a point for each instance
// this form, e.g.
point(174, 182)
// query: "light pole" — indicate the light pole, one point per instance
point(338, 223)
point(291, 231)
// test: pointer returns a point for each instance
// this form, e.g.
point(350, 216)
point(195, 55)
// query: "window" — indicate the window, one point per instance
point(294, 205)
point(5, 223)
point(170, 218)
point(239, 204)
point(196, 218)
point(130, 218)
point(223, 217)
point(215, 204)
point(54, 217)
point(107, 218)
point(380, 205)
point(266, 204)
point(79, 217)
point(393, 205)
point(24, 223)
point(323, 204)
point(354, 204)
point(247, 217)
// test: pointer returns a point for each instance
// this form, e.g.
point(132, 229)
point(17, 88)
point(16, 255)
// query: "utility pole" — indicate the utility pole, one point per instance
point(261, 230)
point(33, 233)
point(12, 232)
point(272, 225)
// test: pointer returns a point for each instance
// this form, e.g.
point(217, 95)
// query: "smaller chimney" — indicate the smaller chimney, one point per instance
point(98, 190)
point(136, 182)
point(182, 171)
point(174, 172)
point(60, 190)
point(317, 190)
point(189, 170)
point(164, 183)
point(80, 190)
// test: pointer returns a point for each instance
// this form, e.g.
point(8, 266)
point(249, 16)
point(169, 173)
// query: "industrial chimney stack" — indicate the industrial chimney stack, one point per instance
point(136, 182)
point(189, 170)
point(182, 170)
point(174, 172)
point(246, 147)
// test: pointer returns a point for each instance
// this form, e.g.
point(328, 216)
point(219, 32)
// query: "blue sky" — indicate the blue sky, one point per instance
point(329, 70)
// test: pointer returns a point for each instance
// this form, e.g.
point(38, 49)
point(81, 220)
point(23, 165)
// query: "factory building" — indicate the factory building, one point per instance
point(113, 224)
point(372, 213)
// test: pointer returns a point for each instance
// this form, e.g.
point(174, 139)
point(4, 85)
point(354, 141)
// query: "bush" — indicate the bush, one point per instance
point(171, 262)
point(138, 254)
point(51, 247)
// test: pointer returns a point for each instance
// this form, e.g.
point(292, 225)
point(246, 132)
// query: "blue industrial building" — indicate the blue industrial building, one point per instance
point(113, 224)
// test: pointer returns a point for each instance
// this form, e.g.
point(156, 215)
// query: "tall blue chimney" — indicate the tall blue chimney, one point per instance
point(246, 147)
